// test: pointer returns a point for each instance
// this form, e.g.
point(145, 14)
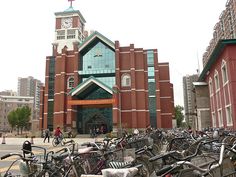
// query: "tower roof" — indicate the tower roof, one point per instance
point(70, 11)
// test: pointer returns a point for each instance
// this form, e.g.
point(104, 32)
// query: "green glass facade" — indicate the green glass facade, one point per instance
point(97, 60)
point(51, 92)
point(151, 88)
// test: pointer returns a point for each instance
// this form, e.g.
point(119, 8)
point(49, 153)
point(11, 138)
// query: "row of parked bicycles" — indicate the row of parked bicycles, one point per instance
point(172, 153)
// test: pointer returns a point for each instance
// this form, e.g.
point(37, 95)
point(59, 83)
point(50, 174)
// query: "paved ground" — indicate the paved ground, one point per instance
point(39, 141)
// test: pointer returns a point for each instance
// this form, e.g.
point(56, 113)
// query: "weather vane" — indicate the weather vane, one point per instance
point(70, 2)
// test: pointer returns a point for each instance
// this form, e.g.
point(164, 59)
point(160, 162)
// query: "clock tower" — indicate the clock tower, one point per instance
point(69, 28)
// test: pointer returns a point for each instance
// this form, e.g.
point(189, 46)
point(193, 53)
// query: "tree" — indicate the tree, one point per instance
point(179, 116)
point(23, 117)
point(19, 118)
point(12, 119)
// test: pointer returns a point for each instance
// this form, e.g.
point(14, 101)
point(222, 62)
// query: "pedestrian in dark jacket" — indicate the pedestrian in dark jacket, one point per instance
point(47, 135)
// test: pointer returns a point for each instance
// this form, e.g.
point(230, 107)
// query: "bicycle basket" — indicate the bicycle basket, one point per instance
point(138, 143)
point(24, 168)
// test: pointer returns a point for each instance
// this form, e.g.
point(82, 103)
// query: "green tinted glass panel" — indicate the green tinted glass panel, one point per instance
point(151, 71)
point(152, 111)
point(94, 117)
point(99, 57)
point(98, 94)
point(50, 114)
point(51, 78)
point(109, 81)
point(150, 58)
point(151, 88)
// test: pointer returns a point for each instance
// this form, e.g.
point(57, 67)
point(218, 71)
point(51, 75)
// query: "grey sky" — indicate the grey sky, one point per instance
point(180, 30)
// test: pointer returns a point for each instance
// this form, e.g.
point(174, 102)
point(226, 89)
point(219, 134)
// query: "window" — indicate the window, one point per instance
point(71, 34)
point(60, 34)
point(125, 80)
point(217, 83)
point(210, 86)
point(224, 72)
point(70, 83)
point(220, 119)
point(100, 57)
point(229, 116)
point(151, 71)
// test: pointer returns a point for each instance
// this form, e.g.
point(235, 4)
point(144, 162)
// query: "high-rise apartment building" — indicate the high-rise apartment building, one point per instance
point(30, 87)
point(189, 98)
point(225, 28)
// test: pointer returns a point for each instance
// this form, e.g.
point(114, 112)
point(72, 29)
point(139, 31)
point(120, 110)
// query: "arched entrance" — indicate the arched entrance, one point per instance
point(97, 121)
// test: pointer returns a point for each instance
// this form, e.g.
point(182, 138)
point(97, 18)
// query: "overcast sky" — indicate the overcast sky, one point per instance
point(180, 30)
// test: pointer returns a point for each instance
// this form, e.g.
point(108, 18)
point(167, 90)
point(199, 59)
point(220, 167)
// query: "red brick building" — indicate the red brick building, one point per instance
point(94, 82)
point(219, 73)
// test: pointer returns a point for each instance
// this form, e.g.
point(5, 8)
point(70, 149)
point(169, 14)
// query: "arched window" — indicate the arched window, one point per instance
point(70, 82)
point(125, 80)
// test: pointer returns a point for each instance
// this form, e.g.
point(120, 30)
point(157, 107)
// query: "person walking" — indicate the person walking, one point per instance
point(46, 135)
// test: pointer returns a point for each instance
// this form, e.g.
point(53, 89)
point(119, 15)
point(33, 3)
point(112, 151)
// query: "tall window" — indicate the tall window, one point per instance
point(217, 83)
point(220, 118)
point(70, 83)
point(229, 116)
point(213, 120)
point(224, 72)
point(210, 86)
point(125, 80)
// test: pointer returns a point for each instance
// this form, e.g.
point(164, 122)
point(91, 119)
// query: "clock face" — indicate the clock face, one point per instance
point(66, 23)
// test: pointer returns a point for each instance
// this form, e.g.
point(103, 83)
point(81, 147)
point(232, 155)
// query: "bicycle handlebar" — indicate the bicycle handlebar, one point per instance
point(5, 156)
point(161, 156)
point(15, 154)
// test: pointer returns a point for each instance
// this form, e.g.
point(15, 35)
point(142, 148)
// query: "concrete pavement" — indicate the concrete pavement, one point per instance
point(39, 141)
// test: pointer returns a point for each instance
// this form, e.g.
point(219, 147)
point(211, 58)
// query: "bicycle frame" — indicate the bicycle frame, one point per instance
point(92, 168)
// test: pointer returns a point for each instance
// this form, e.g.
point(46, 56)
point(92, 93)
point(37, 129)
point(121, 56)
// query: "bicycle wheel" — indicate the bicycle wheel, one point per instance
point(71, 173)
point(49, 173)
point(156, 149)
point(144, 171)
point(54, 142)
point(63, 141)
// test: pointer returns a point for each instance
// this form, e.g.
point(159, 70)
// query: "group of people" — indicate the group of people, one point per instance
point(47, 134)
point(95, 131)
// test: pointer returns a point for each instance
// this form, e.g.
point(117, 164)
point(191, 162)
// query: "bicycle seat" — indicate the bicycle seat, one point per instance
point(125, 172)
point(59, 157)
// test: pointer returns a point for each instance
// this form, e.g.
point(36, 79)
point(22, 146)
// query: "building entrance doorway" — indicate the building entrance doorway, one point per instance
point(97, 123)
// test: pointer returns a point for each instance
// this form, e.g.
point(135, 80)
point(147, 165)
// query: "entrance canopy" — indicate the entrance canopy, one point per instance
point(85, 88)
